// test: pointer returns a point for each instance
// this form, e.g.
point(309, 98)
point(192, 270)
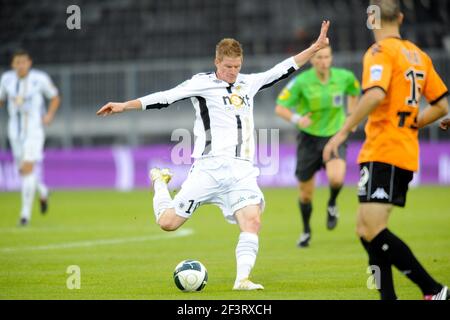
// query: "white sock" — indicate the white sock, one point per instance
point(246, 251)
point(42, 188)
point(161, 199)
point(28, 189)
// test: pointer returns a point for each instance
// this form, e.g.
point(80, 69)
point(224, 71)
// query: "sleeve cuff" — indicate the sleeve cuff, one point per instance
point(439, 99)
point(143, 104)
point(373, 87)
point(293, 63)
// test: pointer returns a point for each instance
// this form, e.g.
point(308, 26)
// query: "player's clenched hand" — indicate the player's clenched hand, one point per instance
point(332, 147)
point(111, 108)
point(445, 124)
point(323, 41)
point(305, 121)
point(48, 119)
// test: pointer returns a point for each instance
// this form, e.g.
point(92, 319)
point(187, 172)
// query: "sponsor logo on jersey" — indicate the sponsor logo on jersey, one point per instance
point(338, 100)
point(285, 94)
point(376, 48)
point(413, 56)
point(236, 100)
point(376, 72)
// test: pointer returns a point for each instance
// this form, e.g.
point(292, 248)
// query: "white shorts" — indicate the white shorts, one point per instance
point(30, 150)
point(226, 182)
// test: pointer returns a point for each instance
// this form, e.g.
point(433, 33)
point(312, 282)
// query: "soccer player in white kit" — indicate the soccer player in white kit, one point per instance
point(24, 89)
point(223, 172)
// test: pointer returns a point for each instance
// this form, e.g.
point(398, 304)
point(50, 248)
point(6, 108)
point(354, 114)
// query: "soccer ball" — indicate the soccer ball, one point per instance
point(190, 275)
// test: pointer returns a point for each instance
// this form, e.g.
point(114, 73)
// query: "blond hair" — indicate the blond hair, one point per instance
point(229, 48)
point(390, 9)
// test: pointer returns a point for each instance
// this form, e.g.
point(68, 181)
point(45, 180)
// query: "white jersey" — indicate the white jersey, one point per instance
point(224, 112)
point(26, 103)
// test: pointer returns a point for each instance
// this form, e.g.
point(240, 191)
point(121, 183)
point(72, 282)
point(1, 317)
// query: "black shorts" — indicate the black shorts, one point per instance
point(309, 155)
point(383, 183)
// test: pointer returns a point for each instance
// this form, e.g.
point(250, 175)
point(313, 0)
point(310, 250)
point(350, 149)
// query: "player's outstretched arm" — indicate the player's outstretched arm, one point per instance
point(119, 107)
point(321, 42)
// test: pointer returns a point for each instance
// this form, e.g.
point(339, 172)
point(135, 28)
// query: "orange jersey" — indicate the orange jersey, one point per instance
point(405, 73)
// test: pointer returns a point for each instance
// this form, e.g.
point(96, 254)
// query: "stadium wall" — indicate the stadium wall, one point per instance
point(125, 168)
point(84, 88)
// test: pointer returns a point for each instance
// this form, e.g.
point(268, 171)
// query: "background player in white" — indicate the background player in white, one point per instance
point(223, 171)
point(24, 89)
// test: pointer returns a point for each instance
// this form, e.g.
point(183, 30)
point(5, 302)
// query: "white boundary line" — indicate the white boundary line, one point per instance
point(100, 242)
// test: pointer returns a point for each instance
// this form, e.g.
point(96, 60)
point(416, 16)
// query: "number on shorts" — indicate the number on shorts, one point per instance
point(191, 205)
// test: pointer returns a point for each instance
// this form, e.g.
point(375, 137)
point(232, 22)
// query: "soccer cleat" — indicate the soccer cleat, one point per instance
point(332, 217)
point(441, 295)
point(247, 285)
point(23, 222)
point(304, 239)
point(162, 174)
point(43, 205)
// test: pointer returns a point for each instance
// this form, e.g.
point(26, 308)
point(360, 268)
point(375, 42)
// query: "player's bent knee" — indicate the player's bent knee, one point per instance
point(305, 197)
point(253, 224)
point(249, 221)
point(370, 233)
point(167, 225)
point(361, 231)
point(336, 182)
point(26, 168)
point(306, 193)
point(251, 227)
point(168, 220)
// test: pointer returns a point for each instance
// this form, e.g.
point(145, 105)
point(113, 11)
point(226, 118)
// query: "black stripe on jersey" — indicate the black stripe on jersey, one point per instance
point(19, 123)
point(162, 105)
point(229, 89)
point(239, 130)
point(284, 76)
point(439, 99)
point(156, 106)
point(204, 113)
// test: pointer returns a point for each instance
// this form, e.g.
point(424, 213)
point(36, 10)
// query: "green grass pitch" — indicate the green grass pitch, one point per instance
point(122, 254)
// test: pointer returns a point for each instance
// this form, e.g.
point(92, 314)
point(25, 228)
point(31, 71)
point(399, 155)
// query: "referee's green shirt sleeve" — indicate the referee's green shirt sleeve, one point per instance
point(353, 87)
point(290, 96)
